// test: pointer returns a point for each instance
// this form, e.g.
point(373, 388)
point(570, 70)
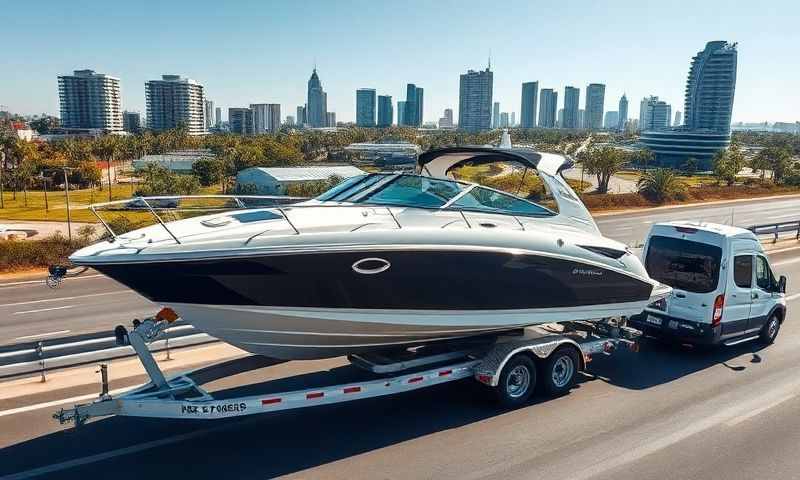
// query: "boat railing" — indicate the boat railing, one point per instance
point(154, 205)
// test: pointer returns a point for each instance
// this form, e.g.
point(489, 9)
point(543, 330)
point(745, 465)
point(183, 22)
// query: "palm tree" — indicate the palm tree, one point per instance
point(107, 148)
point(660, 184)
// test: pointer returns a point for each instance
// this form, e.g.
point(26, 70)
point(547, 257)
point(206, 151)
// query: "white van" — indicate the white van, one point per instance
point(723, 287)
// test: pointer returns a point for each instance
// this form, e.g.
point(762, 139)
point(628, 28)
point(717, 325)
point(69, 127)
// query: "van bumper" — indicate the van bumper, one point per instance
point(675, 329)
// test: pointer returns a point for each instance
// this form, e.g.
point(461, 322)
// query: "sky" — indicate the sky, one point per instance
point(263, 51)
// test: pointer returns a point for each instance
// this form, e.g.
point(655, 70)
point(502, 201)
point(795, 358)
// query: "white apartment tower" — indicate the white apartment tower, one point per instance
point(90, 100)
point(173, 102)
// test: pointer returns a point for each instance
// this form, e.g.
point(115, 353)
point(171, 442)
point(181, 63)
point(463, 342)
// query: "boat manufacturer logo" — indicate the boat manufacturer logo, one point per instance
point(587, 271)
point(371, 266)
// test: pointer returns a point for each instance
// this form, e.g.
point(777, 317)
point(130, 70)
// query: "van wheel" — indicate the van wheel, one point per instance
point(560, 370)
point(517, 381)
point(770, 330)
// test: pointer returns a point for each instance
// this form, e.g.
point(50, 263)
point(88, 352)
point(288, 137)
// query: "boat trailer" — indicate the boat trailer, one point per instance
point(510, 364)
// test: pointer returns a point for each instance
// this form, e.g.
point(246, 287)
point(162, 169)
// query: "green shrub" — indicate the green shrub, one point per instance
point(24, 254)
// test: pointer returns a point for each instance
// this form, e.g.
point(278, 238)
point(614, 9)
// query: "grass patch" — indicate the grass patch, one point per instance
point(16, 255)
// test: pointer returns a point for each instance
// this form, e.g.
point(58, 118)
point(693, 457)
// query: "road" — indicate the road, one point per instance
point(665, 412)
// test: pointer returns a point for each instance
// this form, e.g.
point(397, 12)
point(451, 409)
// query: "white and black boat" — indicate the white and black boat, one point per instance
point(384, 260)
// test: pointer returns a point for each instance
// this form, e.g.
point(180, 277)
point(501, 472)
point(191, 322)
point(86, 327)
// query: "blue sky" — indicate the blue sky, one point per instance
point(259, 51)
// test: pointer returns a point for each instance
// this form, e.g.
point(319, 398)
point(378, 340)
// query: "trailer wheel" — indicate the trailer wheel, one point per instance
point(560, 370)
point(517, 381)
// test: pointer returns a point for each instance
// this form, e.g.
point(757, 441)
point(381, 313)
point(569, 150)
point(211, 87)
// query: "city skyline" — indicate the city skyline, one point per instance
point(278, 74)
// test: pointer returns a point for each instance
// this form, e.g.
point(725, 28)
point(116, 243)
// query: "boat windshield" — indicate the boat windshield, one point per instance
point(425, 192)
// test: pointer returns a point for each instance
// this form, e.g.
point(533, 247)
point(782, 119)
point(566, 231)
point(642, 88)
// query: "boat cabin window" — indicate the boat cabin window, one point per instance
point(416, 191)
point(488, 200)
point(350, 187)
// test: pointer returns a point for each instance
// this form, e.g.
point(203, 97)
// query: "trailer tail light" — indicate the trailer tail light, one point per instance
point(270, 401)
point(352, 389)
point(719, 304)
point(312, 395)
point(445, 373)
point(415, 380)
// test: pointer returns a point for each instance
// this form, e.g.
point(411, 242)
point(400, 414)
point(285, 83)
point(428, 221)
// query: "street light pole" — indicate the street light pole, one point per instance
point(66, 193)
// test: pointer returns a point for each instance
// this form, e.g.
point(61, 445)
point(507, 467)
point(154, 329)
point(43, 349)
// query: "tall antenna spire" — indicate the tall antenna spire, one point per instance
point(490, 60)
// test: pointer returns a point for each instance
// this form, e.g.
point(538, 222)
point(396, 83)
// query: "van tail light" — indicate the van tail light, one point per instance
point(719, 303)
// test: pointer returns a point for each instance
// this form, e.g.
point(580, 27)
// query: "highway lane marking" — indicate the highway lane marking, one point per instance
point(31, 282)
point(794, 214)
point(43, 310)
point(45, 300)
point(785, 262)
point(40, 335)
point(793, 297)
point(758, 411)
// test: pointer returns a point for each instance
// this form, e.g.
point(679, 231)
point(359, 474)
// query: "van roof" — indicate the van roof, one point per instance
point(722, 230)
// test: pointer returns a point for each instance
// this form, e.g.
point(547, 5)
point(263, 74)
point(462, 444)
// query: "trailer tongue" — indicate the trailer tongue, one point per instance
point(512, 365)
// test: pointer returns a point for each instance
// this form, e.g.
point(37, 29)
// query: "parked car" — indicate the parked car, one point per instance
point(724, 291)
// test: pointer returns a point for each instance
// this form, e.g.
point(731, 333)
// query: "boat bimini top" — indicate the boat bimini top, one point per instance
point(440, 163)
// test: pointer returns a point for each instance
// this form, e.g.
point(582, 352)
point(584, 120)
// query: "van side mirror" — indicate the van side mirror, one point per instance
point(782, 284)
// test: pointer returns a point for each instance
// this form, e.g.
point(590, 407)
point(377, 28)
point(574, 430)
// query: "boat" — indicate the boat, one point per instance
point(382, 261)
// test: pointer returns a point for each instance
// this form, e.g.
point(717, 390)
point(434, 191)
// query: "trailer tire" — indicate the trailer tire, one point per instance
point(517, 381)
point(560, 370)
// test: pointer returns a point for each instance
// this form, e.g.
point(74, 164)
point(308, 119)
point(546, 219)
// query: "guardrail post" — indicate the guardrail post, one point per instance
point(775, 240)
point(166, 343)
point(40, 353)
point(103, 381)
point(797, 237)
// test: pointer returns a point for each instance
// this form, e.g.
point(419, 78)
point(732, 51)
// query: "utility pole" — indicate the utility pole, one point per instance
point(66, 193)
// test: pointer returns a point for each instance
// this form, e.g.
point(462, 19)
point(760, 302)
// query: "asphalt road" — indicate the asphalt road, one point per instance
point(665, 412)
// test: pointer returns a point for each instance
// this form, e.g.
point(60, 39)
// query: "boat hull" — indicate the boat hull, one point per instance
point(323, 304)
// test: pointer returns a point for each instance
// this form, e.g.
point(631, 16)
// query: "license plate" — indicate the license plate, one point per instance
point(673, 324)
point(653, 320)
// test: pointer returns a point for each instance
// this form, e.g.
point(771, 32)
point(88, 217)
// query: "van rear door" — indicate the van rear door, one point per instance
point(691, 268)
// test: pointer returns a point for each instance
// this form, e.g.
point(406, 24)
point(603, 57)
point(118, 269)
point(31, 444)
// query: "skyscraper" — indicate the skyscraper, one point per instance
point(173, 102)
point(90, 100)
point(447, 120)
point(365, 107)
point(548, 101)
point(266, 117)
point(413, 106)
point(496, 115)
point(301, 115)
point(581, 118)
point(475, 100)
point(710, 88)
point(385, 112)
point(513, 119)
point(530, 94)
point(209, 114)
point(623, 112)
point(131, 122)
point(240, 120)
point(330, 119)
point(655, 114)
point(572, 97)
point(401, 112)
point(317, 106)
point(611, 120)
point(560, 118)
point(595, 96)
point(218, 116)
point(504, 120)
point(677, 122)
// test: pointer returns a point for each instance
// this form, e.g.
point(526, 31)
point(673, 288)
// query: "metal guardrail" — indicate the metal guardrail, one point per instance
point(44, 356)
point(775, 229)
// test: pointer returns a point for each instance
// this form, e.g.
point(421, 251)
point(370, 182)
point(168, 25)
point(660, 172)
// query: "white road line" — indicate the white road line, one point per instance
point(40, 335)
point(31, 302)
point(63, 401)
point(785, 262)
point(793, 297)
point(793, 214)
point(43, 310)
point(758, 411)
point(31, 282)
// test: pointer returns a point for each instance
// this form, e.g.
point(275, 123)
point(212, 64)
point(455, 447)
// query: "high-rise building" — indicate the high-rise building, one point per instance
point(513, 119)
point(131, 122)
point(317, 106)
point(655, 114)
point(530, 93)
point(173, 102)
point(330, 119)
point(611, 120)
point(708, 104)
point(447, 120)
point(240, 120)
point(209, 114)
point(413, 106)
point(365, 107)
point(301, 115)
point(289, 120)
point(385, 112)
point(548, 101)
point(677, 122)
point(581, 118)
point(496, 115)
point(218, 116)
point(560, 118)
point(401, 112)
point(90, 100)
point(710, 88)
point(475, 100)
point(503, 120)
point(266, 117)
point(572, 97)
point(595, 96)
point(623, 112)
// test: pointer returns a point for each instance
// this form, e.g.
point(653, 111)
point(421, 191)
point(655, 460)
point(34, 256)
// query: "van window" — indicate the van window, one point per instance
point(683, 264)
point(763, 274)
point(743, 271)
